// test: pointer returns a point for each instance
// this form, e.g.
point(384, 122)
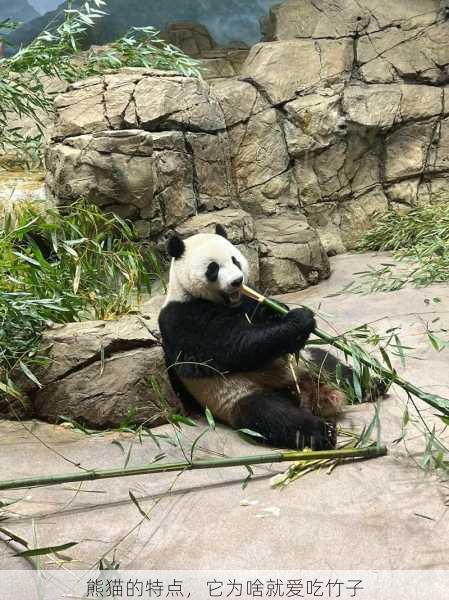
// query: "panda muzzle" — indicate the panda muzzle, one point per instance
point(233, 298)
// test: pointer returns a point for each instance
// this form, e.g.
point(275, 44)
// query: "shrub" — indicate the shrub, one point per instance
point(61, 268)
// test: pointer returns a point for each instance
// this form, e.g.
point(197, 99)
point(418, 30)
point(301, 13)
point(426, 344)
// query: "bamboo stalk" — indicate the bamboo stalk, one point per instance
point(438, 402)
point(257, 459)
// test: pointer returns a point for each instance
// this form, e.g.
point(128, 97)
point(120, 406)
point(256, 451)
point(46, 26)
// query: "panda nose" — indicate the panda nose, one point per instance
point(237, 282)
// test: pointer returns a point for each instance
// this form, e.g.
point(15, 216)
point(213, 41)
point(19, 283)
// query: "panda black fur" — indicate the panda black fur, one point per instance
point(230, 354)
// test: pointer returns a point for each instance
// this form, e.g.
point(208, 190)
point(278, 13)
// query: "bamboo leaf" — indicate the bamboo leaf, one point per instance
point(210, 418)
point(16, 538)
point(46, 550)
point(77, 278)
point(10, 391)
point(248, 478)
point(176, 419)
point(195, 442)
point(251, 433)
point(30, 374)
point(119, 444)
point(28, 259)
point(128, 456)
point(139, 508)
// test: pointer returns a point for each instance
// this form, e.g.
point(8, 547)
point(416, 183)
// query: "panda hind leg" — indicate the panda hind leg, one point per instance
point(282, 422)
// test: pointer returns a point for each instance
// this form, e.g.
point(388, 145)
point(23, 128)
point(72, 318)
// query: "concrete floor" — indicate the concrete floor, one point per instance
point(377, 514)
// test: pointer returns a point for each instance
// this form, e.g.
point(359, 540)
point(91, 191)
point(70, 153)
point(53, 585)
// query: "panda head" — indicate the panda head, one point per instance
point(206, 266)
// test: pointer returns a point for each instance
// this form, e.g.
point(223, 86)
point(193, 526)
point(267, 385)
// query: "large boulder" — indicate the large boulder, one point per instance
point(223, 63)
point(102, 373)
point(152, 148)
point(361, 87)
point(382, 106)
point(136, 98)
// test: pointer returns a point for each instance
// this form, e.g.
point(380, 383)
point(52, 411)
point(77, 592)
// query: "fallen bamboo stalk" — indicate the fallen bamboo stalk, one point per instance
point(258, 459)
point(438, 402)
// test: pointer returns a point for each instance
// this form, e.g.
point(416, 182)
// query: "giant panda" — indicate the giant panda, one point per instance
point(230, 354)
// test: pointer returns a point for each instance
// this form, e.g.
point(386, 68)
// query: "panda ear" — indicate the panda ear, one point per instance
point(220, 230)
point(176, 247)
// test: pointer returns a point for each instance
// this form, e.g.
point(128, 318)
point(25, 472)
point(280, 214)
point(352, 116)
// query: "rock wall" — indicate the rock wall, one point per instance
point(366, 114)
point(166, 152)
point(341, 112)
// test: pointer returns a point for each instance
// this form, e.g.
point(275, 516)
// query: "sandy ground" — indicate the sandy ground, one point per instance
point(377, 514)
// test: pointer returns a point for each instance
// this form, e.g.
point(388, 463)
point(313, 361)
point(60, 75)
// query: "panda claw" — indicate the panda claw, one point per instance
point(324, 437)
point(331, 431)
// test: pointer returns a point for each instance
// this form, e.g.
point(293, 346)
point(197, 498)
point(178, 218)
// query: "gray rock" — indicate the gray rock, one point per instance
point(343, 18)
point(417, 50)
point(110, 168)
point(382, 106)
point(291, 254)
point(258, 150)
point(306, 65)
point(239, 100)
point(433, 190)
point(239, 225)
point(223, 63)
point(136, 97)
point(174, 102)
point(314, 122)
point(158, 179)
point(357, 215)
point(408, 150)
point(325, 217)
point(100, 372)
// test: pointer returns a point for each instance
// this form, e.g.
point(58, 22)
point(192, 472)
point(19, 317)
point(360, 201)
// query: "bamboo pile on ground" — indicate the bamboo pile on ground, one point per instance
point(358, 355)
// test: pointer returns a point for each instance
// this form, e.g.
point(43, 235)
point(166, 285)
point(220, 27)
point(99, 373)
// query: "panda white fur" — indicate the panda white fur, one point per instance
point(230, 354)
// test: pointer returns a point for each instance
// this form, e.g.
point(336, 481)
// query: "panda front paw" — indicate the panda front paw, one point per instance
point(302, 319)
point(321, 435)
point(299, 324)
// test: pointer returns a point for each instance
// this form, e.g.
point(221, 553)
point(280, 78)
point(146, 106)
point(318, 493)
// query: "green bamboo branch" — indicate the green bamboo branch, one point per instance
point(438, 402)
point(257, 459)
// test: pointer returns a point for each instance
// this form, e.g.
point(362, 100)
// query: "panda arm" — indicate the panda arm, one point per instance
point(203, 332)
point(248, 348)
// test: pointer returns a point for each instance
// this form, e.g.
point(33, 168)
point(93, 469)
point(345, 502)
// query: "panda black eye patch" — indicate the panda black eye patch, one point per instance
point(212, 271)
point(236, 262)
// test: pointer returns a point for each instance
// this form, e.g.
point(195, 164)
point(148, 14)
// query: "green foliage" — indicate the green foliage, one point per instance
point(7, 25)
point(142, 47)
point(55, 53)
point(361, 383)
point(419, 241)
point(61, 268)
point(22, 89)
point(52, 52)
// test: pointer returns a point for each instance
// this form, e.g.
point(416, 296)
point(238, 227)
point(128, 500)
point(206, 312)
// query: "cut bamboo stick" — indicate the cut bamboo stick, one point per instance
point(257, 459)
